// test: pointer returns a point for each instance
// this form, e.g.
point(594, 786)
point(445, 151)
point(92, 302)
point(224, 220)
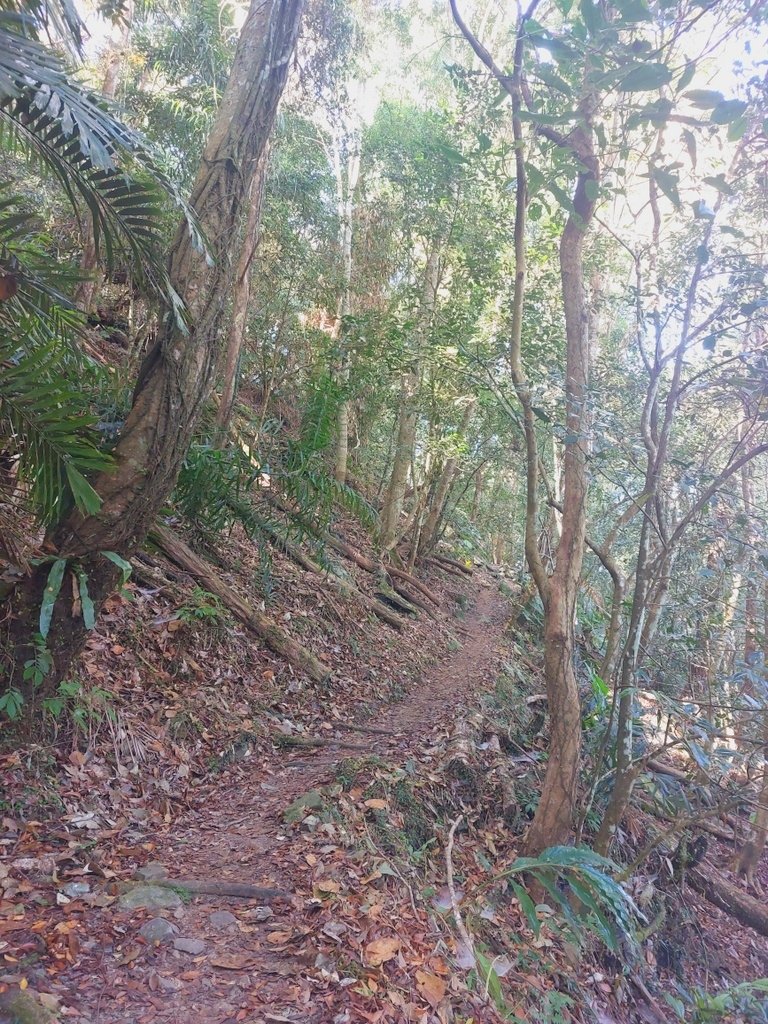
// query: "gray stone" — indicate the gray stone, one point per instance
point(260, 914)
point(310, 822)
point(192, 946)
point(157, 929)
point(75, 889)
point(223, 920)
point(149, 897)
point(151, 872)
point(311, 801)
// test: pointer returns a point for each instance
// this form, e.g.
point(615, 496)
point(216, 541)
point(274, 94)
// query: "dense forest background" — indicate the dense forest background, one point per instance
point(428, 288)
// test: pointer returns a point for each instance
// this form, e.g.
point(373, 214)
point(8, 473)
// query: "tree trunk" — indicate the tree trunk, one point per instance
point(241, 294)
point(176, 377)
point(729, 897)
point(408, 415)
point(752, 852)
point(431, 530)
point(346, 185)
point(554, 814)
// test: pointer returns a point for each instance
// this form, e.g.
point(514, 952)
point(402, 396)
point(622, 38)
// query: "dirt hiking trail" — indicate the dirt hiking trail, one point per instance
point(223, 960)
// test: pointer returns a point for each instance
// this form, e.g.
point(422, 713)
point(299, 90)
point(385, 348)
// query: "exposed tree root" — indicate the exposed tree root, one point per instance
point(444, 568)
point(316, 741)
point(205, 887)
point(264, 627)
point(454, 562)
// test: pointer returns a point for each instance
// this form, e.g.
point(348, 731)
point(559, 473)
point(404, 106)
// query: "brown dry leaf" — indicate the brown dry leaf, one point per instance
point(381, 950)
point(328, 885)
point(276, 937)
point(376, 805)
point(234, 961)
point(431, 988)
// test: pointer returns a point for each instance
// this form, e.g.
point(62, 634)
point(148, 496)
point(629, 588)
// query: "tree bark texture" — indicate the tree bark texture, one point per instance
point(241, 294)
point(553, 819)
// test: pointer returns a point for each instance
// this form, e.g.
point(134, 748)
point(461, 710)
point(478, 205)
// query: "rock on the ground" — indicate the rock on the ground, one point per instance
point(151, 872)
point(75, 889)
point(24, 1008)
point(192, 946)
point(311, 801)
point(260, 914)
point(149, 897)
point(224, 920)
point(157, 929)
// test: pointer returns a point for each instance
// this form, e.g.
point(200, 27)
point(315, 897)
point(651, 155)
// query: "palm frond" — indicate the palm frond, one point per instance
point(71, 133)
point(43, 423)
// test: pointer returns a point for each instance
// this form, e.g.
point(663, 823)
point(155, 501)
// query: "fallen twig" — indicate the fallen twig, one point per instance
point(462, 928)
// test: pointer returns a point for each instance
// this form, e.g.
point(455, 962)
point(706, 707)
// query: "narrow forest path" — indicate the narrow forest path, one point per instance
point(240, 961)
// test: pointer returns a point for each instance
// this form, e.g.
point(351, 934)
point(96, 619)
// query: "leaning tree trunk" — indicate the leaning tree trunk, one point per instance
point(177, 376)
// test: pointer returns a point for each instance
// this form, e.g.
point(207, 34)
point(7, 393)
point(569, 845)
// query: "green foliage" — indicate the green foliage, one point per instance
point(203, 608)
point(84, 707)
point(744, 1003)
point(40, 664)
point(582, 889)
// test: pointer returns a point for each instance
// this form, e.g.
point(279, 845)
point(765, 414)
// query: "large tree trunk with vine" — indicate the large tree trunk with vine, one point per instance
point(241, 294)
point(176, 378)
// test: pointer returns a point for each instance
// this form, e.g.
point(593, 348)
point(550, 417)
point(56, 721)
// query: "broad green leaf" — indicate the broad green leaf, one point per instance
point(528, 907)
point(687, 76)
point(704, 99)
point(737, 128)
point(50, 594)
point(561, 196)
point(592, 189)
point(89, 612)
point(728, 111)
point(633, 11)
point(718, 181)
point(125, 567)
point(645, 77)
point(592, 16)
point(86, 499)
point(667, 182)
point(690, 144)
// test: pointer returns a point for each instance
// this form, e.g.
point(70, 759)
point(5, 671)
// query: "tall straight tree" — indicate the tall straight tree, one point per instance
point(554, 814)
point(177, 376)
